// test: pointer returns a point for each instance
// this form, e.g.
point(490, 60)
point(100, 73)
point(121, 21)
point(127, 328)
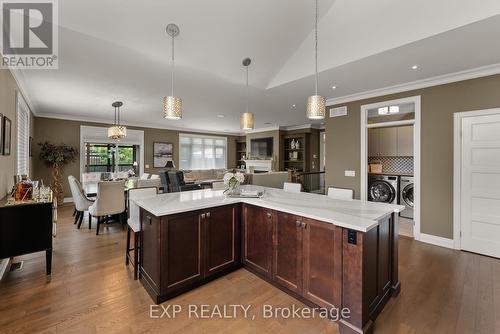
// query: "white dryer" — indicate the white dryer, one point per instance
point(406, 196)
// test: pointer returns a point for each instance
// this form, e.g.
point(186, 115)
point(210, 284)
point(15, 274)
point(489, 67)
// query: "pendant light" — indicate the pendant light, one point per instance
point(316, 104)
point(246, 119)
point(117, 131)
point(172, 106)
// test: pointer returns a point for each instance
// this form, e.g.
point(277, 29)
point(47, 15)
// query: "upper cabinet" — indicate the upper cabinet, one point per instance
point(405, 140)
point(390, 142)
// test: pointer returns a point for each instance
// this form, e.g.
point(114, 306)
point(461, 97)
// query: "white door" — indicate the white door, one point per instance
point(480, 184)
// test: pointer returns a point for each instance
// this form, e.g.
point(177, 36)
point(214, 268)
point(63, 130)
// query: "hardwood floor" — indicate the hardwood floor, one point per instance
point(92, 291)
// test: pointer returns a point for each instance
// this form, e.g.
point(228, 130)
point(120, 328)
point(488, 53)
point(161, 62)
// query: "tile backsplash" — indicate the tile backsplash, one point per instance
point(402, 165)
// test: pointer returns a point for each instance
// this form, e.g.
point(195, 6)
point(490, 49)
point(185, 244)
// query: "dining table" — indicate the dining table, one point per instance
point(90, 188)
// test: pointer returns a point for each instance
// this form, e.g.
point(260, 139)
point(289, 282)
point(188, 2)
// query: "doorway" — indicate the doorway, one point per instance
point(477, 182)
point(387, 120)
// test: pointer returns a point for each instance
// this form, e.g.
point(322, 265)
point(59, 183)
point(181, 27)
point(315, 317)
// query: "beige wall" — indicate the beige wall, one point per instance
point(439, 103)
point(68, 132)
point(8, 89)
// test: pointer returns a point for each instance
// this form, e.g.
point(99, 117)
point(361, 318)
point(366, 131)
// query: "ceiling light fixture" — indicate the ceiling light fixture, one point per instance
point(246, 119)
point(172, 106)
point(383, 111)
point(414, 67)
point(117, 131)
point(393, 109)
point(334, 87)
point(294, 105)
point(316, 104)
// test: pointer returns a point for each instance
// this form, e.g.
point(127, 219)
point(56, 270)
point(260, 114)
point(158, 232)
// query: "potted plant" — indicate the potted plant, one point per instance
point(55, 157)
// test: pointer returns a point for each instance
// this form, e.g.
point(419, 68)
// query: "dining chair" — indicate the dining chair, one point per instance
point(292, 187)
point(340, 193)
point(134, 224)
point(149, 183)
point(81, 202)
point(218, 185)
point(110, 201)
point(144, 176)
point(165, 182)
point(154, 177)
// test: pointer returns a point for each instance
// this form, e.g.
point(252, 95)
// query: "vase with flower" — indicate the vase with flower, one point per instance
point(232, 182)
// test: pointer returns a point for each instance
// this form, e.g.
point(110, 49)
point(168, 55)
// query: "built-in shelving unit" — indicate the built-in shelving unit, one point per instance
point(241, 152)
point(295, 158)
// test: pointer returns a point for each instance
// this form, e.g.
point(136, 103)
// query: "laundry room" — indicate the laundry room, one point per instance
point(391, 159)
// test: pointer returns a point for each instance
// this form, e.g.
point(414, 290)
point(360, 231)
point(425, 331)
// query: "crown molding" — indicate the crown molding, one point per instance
point(474, 73)
point(134, 124)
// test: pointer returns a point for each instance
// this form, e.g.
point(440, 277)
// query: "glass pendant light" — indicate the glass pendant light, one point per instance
point(316, 104)
point(172, 106)
point(117, 131)
point(246, 119)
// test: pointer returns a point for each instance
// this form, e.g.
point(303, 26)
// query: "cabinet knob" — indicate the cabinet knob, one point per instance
point(304, 226)
point(150, 221)
point(298, 223)
point(203, 216)
point(268, 215)
point(208, 214)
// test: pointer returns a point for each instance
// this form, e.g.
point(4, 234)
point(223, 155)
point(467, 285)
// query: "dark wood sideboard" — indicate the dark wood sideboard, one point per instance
point(320, 264)
point(26, 227)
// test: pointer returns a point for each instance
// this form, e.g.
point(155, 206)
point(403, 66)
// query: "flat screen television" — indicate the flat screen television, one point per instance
point(261, 148)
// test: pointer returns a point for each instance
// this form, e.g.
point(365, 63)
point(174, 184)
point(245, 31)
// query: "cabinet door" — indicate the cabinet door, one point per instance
point(373, 142)
point(322, 263)
point(150, 250)
point(221, 239)
point(182, 250)
point(388, 142)
point(287, 252)
point(257, 239)
point(405, 140)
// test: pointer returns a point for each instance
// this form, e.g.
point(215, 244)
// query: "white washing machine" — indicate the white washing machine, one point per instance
point(383, 188)
point(406, 196)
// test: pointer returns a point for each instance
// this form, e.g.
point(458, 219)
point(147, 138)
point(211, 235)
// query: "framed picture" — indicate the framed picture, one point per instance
point(7, 124)
point(162, 152)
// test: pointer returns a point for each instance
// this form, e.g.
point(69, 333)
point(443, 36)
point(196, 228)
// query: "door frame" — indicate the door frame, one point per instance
point(416, 100)
point(457, 168)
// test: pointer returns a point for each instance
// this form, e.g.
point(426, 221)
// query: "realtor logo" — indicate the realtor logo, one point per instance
point(29, 34)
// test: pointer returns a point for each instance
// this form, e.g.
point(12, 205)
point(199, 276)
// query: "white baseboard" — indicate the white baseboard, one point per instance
point(437, 241)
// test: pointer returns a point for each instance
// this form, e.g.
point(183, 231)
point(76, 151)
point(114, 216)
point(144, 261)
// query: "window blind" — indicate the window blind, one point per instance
point(23, 136)
point(202, 152)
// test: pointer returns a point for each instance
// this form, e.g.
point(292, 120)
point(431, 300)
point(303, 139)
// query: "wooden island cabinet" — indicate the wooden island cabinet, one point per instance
point(182, 251)
point(320, 263)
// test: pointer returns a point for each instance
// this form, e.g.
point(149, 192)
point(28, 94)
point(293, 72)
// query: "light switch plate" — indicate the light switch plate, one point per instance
point(350, 173)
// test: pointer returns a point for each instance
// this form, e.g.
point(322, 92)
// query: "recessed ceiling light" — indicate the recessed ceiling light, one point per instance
point(383, 111)
point(294, 105)
point(415, 67)
point(393, 109)
point(334, 87)
point(221, 115)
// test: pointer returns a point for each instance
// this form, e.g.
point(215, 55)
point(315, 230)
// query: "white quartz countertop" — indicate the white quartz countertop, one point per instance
point(355, 214)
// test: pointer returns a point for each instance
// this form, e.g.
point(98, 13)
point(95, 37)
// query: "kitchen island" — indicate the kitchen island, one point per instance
point(326, 253)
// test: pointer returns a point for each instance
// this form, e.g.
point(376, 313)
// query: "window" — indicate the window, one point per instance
point(202, 152)
point(109, 157)
point(23, 136)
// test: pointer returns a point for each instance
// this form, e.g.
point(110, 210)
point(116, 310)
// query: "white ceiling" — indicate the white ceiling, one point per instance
point(118, 50)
